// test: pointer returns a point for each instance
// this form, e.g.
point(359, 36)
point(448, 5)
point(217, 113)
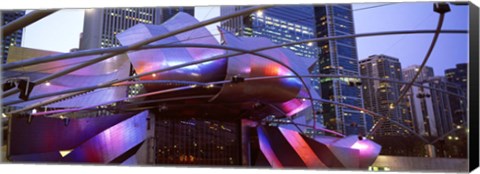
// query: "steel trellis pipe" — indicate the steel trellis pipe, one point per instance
point(251, 78)
point(23, 21)
point(44, 59)
point(137, 45)
point(424, 62)
point(241, 51)
point(373, 114)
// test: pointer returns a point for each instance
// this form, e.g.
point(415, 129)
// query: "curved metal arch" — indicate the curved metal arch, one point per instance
point(60, 112)
point(424, 62)
point(270, 77)
point(119, 50)
point(373, 114)
point(205, 60)
point(50, 58)
point(139, 45)
point(239, 50)
point(341, 37)
point(364, 77)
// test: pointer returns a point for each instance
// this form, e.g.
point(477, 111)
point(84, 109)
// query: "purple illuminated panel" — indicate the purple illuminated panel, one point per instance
point(367, 149)
point(277, 145)
point(112, 142)
point(154, 59)
point(302, 148)
point(267, 151)
point(52, 135)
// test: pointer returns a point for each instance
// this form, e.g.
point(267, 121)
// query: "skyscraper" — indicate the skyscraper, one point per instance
point(458, 75)
point(419, 103)
point(432, 107)
point(101, 25)
point(339, 57)
point(15, 39)
point(167, 13)
point(379, 95)
point(410, 71)
point(281, 24)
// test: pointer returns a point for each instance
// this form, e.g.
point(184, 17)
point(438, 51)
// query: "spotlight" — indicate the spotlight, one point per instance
point(237, 79)
point(441, 7)
point(360, 137)
point(259, 13)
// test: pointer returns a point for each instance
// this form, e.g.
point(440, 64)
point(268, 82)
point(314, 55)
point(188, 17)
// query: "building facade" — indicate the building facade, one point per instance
point(442, 103)
point(102, 25)
point(410, 71)
point(339, 57)
point(433, 107)
point(280, 24)
point(167, 13)
point(378, 96)
point(419, 107)
point(15, 39)
point(458, 75)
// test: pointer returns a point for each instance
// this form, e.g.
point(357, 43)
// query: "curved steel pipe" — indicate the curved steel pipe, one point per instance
point(240, 52)
point(44, 59)
point(24, 21)
point(136, 46)
point(424, 62)
point(373, 114)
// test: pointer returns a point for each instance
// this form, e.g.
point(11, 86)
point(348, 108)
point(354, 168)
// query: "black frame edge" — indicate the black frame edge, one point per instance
point(473, 87)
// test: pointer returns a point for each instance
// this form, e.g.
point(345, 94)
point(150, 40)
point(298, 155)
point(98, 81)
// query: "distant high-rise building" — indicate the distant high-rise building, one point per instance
point(379, 96)
point(14, 39)
point(458, 75)
point(101, 25)
point(442, 103)
point(280, 24)
point(339, 57)
point(410, 71)
point(419, 107)
point(168, 12)
point(432, 107)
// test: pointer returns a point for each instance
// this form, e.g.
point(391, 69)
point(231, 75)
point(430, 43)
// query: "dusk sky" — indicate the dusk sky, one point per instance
point(410, 49)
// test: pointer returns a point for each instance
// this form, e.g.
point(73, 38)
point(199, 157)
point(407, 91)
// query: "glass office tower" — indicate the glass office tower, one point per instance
point(281, 24)
point(14, 39)
point(339, 57)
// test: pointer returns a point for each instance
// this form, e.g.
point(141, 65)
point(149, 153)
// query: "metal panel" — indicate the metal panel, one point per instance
point(302, 148)
point(154, 59)
point(112, 142)
point(51, 134)
point(107, 70)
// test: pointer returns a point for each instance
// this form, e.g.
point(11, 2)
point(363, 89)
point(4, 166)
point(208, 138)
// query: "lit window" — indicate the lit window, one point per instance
point(259, 13)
